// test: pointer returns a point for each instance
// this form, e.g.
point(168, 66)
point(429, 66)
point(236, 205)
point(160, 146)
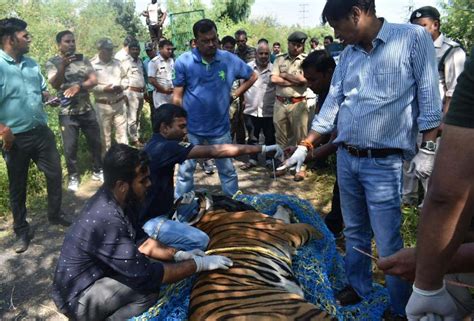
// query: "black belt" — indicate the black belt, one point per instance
point(376, 153)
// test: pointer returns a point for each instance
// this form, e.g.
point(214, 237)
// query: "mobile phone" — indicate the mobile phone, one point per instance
point(79, 57)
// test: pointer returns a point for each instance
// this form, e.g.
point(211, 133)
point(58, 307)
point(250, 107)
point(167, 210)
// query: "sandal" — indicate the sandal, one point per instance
point(247, 166)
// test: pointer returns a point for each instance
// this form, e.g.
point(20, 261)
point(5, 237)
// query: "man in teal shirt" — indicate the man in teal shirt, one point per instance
point(23, 128)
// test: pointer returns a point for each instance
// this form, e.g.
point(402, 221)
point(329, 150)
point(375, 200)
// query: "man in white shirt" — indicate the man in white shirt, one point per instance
point(258, 102)
point(155, 17)
point(160, 71)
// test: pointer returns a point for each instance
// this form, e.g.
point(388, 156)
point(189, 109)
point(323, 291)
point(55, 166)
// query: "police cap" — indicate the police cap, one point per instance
point(425, 12)
point(298, 37)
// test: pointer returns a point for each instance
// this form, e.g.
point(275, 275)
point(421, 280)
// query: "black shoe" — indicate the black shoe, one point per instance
point(347, 296)
point(390, 316)
point(22, 242)
point(59, 221)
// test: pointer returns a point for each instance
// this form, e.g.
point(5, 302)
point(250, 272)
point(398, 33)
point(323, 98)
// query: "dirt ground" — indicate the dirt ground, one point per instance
point(26, 279)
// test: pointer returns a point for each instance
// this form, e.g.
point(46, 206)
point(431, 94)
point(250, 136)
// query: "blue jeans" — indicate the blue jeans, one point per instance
point(179, 235)
point(370, 202)
point(225, 168)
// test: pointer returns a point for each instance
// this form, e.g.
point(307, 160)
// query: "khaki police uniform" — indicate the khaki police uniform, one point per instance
point(110, 107)
point(135, 91)
point(290, 114)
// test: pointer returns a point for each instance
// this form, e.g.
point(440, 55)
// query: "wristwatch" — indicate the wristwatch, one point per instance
point(429, 145)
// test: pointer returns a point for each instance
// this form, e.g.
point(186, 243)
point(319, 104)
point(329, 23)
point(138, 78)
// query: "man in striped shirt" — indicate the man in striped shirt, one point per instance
point(384, 91)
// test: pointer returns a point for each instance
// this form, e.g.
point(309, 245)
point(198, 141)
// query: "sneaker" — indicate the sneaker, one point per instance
point(209, 167)
point(22, 242)
point(73, 184)
point(98, 176)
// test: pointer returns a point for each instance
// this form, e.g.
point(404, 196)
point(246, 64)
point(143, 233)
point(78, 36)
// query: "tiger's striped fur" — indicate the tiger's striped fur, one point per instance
point(259, 286)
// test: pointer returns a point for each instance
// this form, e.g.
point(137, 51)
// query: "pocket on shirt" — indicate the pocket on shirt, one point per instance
point(386, 82)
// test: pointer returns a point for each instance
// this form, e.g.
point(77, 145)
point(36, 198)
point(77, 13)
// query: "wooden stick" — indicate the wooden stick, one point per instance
point(462, 285)
point(365, 253)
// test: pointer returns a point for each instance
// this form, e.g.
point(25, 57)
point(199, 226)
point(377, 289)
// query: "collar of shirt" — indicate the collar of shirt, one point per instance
point(254, 66)
point(198, 58)
point(301, 56)
point(9, 58)
point(382, 36)
point(438, 43)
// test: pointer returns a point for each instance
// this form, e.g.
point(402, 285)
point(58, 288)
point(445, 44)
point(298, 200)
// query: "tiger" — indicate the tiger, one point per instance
point(261, 284)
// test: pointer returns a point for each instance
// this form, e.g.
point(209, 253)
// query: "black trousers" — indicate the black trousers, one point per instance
point(37, 145)
point(237, 128)
point(70, 126)
point(334, 220)
point(256, 125)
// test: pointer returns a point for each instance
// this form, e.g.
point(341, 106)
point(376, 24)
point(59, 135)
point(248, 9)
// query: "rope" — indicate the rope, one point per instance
point(250, 249)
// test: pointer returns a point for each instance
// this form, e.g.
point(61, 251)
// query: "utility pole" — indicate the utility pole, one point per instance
point(410, 7)
point(303, 11)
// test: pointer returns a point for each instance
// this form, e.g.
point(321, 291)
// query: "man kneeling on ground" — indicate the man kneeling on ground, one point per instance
point(166, 149)
point(104, 269)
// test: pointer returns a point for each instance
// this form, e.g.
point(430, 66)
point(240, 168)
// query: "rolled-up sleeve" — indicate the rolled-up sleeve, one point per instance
point(427, 80)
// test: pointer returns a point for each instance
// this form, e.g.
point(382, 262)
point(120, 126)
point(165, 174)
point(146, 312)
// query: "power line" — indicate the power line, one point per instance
point(303, 11)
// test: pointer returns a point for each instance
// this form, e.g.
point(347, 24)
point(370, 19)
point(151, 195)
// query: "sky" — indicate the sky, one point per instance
point(307, 13)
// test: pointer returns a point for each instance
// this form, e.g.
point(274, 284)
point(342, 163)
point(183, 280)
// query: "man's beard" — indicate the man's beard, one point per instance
point(132, 199)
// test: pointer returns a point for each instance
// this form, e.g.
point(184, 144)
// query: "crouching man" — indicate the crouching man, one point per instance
point(166, 149)
point(105, 268)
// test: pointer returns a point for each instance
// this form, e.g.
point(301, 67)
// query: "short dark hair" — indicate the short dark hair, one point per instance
point(120, 163)
point(61, 34)
point(240, 32)
point(165, 42)
point(320, 60)
point(276, 44)
point(339, 9)
point(203, 26)
point(9, 26)
point(134, 44)
point(128, 39)
point(262, 40)
point(166, 114)
point(228, 39)
point(330, 38)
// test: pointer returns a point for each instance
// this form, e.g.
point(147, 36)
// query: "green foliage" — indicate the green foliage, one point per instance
point(127, 17)
point(235, 10)
point(410, 216)
point(459, 21)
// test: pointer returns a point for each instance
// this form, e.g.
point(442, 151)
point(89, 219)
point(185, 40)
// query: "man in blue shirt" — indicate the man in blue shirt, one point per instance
point(384, 91)
point(203, 81)
point(23, 128)
point(166, 149)
point(104, 270)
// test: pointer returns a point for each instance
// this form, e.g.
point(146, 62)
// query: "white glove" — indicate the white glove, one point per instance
point(274, 148)
point(429, 305)
point(212, 262)
point(188, 255)
point(422, 163)
point(297, 158)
